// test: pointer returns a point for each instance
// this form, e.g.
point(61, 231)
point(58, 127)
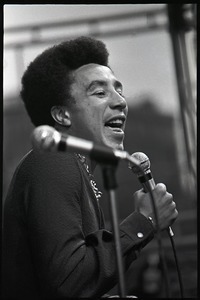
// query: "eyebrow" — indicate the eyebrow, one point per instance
point(117, 84)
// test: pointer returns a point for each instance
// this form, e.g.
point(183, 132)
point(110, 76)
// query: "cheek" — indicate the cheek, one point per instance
point(95, 122)
point(94, 115)
point(90, 120)
point(89, 117)
point(95, 125)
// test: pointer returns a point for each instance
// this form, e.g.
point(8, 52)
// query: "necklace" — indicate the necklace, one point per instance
point(93, 184)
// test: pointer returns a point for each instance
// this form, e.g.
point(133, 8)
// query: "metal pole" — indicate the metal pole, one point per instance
point(110, 185)
point(177, 27)
point(115, 227)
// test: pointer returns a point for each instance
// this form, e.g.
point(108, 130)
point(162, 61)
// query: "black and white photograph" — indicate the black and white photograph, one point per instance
point(99, 189)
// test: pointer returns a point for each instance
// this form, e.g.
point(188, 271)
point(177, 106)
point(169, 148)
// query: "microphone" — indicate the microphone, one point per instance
point(144, 174)
point(46, 138)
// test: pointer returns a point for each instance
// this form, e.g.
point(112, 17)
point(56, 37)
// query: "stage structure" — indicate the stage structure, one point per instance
point(177, 19)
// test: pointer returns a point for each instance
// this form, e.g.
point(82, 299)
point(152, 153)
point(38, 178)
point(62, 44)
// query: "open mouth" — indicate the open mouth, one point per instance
point(116, 124)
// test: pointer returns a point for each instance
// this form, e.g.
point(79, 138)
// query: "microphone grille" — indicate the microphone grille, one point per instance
point(45, 138)
point(144, 163)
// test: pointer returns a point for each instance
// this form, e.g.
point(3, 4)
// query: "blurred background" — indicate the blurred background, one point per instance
point(153, 52)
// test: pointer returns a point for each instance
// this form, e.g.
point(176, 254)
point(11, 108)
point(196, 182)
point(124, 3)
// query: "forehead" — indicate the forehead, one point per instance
point(91, 72)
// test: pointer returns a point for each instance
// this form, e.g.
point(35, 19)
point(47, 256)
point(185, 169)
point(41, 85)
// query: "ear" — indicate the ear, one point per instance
point(61, 115)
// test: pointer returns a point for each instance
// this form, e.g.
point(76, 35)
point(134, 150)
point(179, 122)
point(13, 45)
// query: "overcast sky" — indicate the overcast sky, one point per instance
point(144, 63)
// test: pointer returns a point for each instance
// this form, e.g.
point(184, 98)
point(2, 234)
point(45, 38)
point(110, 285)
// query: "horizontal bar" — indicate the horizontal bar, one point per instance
point(107, 18)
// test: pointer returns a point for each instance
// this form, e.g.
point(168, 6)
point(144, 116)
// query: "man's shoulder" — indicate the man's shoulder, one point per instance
point(39, 162)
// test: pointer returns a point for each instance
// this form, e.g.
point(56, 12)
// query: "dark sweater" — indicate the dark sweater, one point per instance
point(54, 240)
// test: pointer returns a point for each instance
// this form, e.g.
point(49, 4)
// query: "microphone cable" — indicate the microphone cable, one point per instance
point(148, 185)
point(161, 252)
point(177, 265)
point(163, 260)
point(160, 247)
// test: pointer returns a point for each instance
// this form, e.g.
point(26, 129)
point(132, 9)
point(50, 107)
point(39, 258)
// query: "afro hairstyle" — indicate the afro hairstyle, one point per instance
point(46, 82)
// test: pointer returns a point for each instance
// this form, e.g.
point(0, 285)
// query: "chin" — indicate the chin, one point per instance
point(113, 143)
point(117, 146)
point(120, 147)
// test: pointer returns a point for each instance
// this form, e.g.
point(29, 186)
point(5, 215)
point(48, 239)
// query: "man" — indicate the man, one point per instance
point(55, 241)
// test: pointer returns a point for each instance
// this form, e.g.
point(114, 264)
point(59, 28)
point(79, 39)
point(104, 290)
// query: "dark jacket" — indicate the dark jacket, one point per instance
point(54, 239)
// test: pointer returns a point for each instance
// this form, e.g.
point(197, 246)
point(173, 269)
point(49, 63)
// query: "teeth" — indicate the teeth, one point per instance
point(116, 122)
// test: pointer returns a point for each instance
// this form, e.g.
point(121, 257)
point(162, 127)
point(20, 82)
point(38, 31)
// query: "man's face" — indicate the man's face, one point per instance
point(100, 110)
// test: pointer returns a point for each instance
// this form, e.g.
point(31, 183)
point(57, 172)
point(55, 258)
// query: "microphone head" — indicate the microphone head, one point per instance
point(45, 138)
point(144, 163)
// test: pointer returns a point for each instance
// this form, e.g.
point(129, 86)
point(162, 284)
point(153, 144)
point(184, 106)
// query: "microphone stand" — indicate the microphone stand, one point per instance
point(110, 185)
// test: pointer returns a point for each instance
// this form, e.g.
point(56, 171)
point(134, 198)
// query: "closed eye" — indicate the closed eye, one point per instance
point(120, 92)
point(100, 93)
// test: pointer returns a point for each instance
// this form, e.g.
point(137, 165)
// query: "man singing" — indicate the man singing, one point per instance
point(54, 237)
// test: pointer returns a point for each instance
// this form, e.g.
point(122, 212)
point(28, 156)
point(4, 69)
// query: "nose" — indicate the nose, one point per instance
point(118, 101)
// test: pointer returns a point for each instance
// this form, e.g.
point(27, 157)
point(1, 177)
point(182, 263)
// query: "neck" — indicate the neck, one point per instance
point(91, 163)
